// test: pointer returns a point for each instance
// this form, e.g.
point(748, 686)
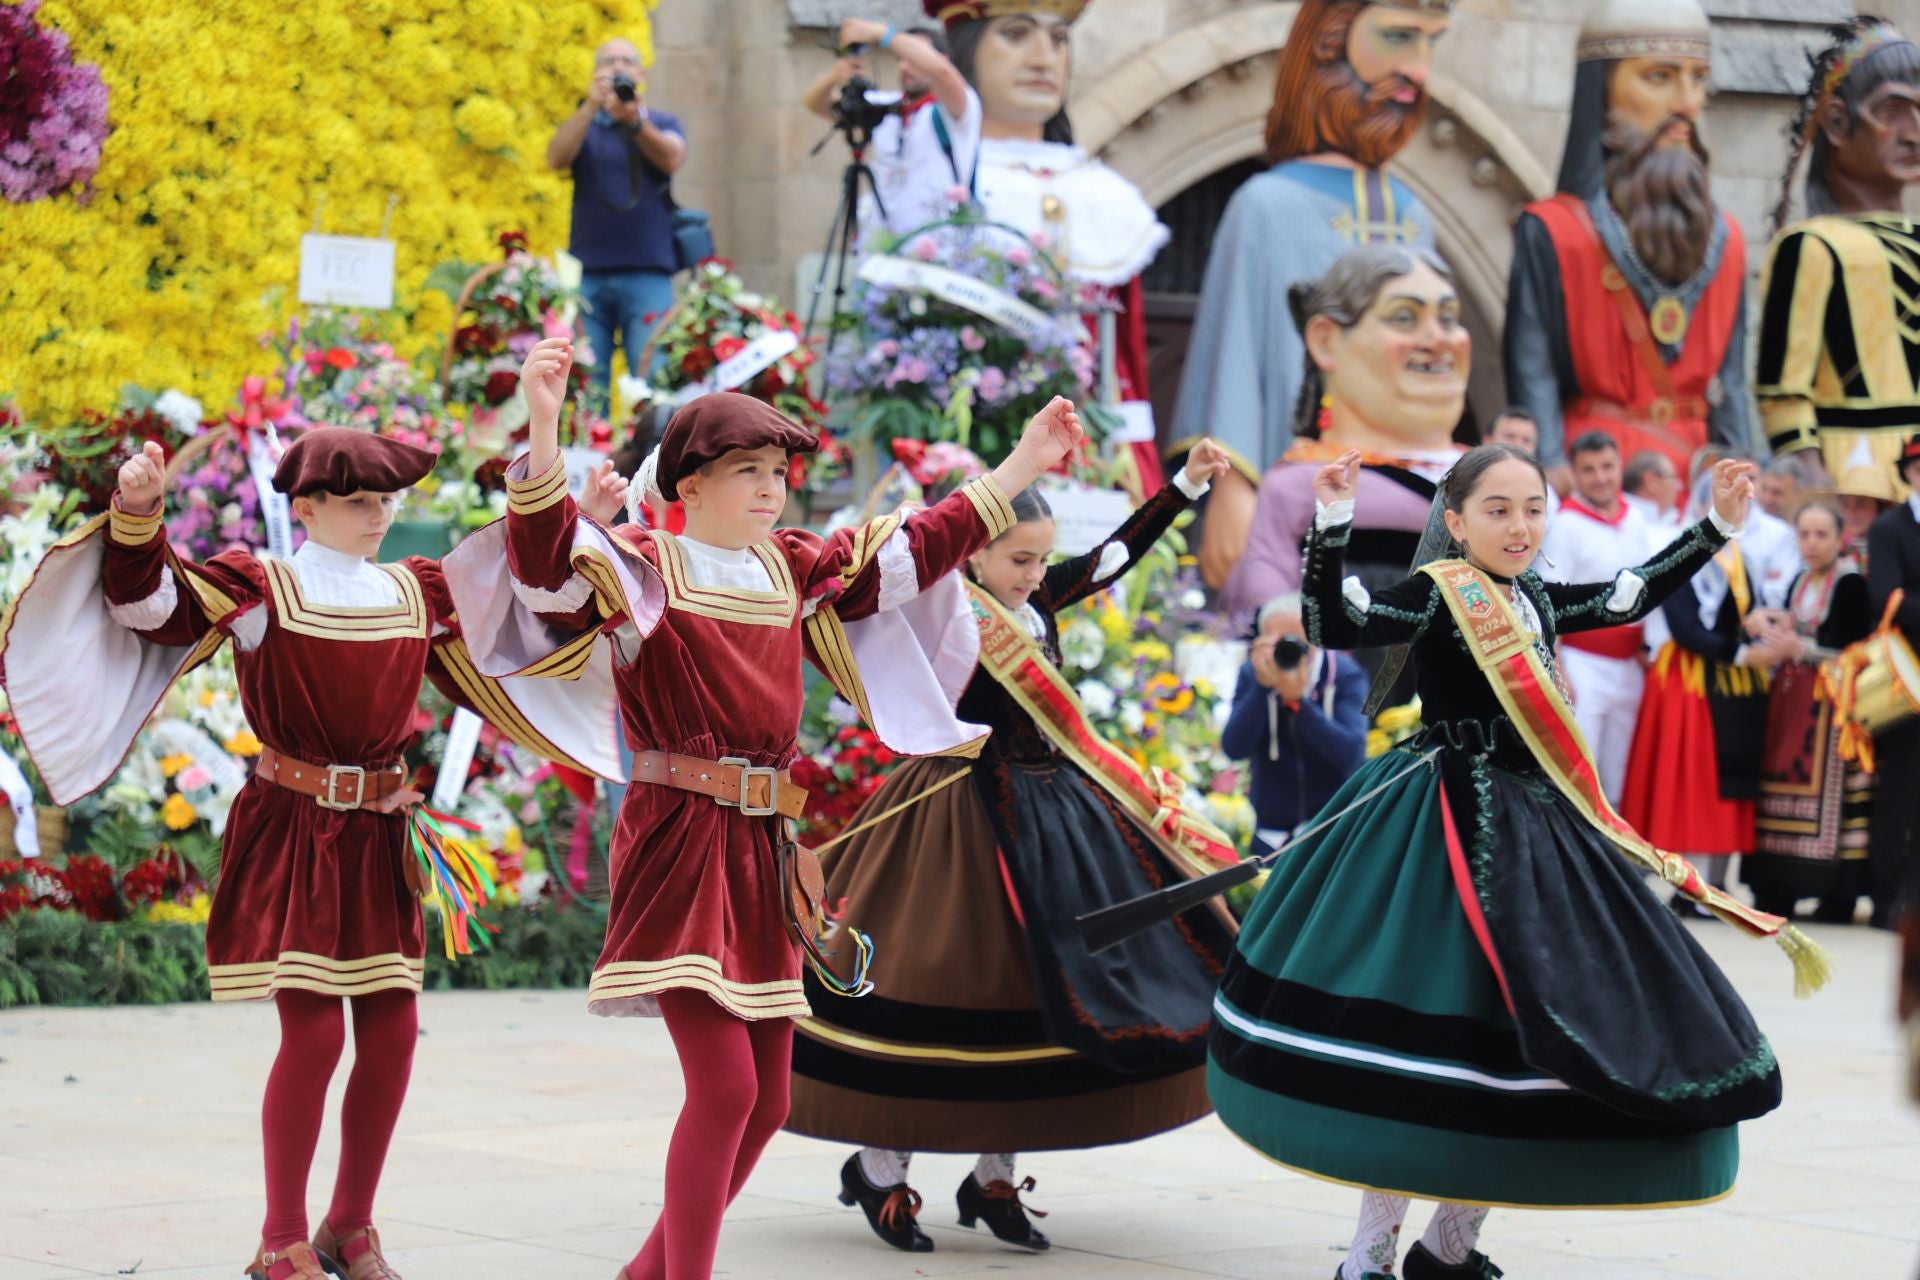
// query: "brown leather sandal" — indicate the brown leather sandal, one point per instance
point(305, 1265)
point(371, 1264)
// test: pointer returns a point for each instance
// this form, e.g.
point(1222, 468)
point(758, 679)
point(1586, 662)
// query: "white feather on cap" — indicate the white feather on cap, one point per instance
point(645, 486)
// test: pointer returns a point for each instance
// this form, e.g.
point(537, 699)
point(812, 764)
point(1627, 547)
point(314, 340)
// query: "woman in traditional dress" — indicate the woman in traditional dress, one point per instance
point(1462, 990)
point(1694, 771)
point(1815, 807)
point(991, 1028)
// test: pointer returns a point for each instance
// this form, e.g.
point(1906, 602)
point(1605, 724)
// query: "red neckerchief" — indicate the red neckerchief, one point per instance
point(1573, 503)
point(909, 106)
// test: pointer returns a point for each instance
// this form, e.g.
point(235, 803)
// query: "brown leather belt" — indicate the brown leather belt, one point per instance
point(332, 786)
point(758, 791)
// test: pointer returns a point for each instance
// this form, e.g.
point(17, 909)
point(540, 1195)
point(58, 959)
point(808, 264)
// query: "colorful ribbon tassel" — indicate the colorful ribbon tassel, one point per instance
point(457, 884)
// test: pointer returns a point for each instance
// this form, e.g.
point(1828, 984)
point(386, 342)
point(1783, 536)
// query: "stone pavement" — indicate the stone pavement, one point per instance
point(534, 1138)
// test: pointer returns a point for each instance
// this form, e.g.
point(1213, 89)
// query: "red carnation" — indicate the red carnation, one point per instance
point(340, 358)
point(729, 347)
point(513, 241)
point(501, 385)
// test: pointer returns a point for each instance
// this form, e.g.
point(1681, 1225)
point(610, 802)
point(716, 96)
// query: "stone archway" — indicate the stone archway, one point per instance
point(1195, 103)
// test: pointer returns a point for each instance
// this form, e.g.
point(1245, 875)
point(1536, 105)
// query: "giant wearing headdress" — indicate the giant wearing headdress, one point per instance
point(1834, 376)
point(1349, 91)
point(1624, 309)
point(1092, 221)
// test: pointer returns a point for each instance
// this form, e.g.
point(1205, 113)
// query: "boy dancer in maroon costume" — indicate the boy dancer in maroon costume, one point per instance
point(700, 637)
point(315, 903)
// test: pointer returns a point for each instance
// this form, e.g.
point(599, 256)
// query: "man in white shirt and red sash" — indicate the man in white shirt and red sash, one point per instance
point(1596, 535)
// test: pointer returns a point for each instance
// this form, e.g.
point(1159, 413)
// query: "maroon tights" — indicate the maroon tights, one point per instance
point(737, 1077)
point(312, 1033)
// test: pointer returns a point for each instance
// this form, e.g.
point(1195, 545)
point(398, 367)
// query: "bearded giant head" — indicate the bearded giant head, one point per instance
point(1352, 78)
point(1638, 97)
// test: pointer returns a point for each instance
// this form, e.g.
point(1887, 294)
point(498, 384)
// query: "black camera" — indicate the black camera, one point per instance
point(624, 87)
point(1288, 653)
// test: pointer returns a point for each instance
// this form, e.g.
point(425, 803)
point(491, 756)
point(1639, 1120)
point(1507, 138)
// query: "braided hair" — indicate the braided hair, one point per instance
point(1865, 52)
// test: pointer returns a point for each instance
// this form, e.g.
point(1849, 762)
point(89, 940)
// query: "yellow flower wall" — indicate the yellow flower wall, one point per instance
point(231, 120)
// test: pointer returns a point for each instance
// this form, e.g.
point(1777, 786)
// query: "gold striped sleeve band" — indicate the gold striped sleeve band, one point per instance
point(135, 531)
point(536, 493)
point(991, 501)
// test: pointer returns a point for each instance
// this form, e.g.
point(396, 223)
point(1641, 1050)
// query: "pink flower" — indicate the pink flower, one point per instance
point(886, 348)
point(957, 194)
point(993, 384)
point(192, 778)
point(1018, 256)
point(925, 249)
point(970, 338)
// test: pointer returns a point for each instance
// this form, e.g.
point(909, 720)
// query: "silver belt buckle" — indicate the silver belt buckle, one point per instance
point(330, 799)
point(748, 772)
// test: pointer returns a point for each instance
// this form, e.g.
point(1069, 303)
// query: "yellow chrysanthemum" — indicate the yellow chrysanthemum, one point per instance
point(170, 765)
point(1378, 743)
point(512, 842)
point(188, 248)
point(177, 813)
point(243, 743)
point(195, 912)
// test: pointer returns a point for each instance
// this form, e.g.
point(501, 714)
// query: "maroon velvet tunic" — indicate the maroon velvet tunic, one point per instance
point(718, 673)
point(309, 898)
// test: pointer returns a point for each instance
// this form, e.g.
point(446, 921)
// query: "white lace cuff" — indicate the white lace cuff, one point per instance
point(1186, 484)
point(572, 595)
point(1356, 594)
point(1628, 587)
point(1113, 558)
point(1328, 514)
point(145, 615)
point(1720, 522)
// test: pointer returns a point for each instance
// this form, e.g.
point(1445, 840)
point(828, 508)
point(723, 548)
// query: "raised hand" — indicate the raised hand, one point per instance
point(605, 494)
point(855, 31)
point(143, 481)
point(1051, 434)
point(1207, 462)
point(543, 379)
point(1733, 489)
point(1337, 481)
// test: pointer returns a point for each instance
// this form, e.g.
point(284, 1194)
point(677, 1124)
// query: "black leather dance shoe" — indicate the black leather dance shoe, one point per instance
point(1421, 1265)
point(890, 1210)
point(998, 1203)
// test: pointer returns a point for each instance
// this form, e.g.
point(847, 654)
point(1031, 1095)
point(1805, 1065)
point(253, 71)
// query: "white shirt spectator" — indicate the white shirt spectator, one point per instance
point(913, 171)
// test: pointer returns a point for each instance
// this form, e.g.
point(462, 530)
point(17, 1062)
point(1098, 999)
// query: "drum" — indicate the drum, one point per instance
point(1876, 685)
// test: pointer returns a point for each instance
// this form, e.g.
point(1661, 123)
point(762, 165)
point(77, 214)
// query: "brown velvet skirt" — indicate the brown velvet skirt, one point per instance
point(950, 1051)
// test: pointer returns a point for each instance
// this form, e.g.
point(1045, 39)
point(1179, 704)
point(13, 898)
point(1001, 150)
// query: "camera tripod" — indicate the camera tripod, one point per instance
point(844, 233)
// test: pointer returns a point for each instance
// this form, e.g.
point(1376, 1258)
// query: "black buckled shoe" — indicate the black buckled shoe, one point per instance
point(999, 1204)
point(1421, 1265)
point(890, 1210)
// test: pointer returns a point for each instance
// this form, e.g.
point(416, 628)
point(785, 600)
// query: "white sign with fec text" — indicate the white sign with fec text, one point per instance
point(1136, 423)
point(26, 822)
point(1084, 517)
point(463, 735)
point(579, 462)
point(744, 364)
point(346, 271)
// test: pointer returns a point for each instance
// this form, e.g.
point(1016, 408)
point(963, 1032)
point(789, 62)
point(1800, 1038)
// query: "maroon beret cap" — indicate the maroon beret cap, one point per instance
point(714, 425)
point(343, 460)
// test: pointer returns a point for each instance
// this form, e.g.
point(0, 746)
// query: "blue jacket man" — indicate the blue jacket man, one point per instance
point(1302, 725)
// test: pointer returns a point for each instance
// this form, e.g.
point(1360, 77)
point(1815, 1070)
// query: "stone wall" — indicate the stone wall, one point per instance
point(1171, 90)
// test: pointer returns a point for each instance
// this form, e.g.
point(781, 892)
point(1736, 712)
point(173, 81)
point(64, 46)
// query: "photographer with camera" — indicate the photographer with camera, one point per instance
point(925, 138)
point(1299, 716)
point(622, 155)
